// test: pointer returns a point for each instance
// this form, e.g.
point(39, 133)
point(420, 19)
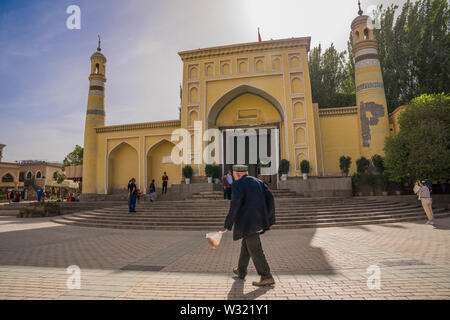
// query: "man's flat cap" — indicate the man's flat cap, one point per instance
point(240, 168)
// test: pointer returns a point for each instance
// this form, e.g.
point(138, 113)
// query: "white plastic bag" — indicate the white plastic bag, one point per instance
point(213, 238)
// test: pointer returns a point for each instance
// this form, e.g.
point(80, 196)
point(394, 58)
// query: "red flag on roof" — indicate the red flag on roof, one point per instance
point(259, 36)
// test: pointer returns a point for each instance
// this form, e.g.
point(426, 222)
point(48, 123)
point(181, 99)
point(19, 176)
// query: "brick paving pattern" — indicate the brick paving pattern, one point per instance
point(323, 263)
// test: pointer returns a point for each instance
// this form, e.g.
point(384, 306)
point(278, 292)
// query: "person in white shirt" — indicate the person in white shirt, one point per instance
point(424, 195)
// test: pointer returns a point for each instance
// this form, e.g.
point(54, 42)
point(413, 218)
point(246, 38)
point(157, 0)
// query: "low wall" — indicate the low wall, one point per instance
point(319, 187)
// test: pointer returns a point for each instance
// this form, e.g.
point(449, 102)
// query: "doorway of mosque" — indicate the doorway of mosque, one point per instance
point(245, 146)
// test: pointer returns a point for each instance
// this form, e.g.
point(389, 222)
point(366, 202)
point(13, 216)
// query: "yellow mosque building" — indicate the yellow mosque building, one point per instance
point(256, 85)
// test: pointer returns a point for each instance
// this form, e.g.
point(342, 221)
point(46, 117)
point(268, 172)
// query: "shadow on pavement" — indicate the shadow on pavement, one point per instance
point(237, 291)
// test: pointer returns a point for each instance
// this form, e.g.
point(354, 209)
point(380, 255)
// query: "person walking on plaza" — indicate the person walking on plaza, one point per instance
point(132, 195)
point(251, 213)
point(152, 191)
point(226, 187)
point(424, 194)
point(165, 179)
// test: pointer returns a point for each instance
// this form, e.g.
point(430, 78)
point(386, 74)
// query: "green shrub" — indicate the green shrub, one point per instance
point(362, 165)
point(371, 180)
point(188, 172)
point(344, 164)
point(283, 167)
point(216, 171)
point(209, 170)
point(358, 179)
point(304, 166)
point(378, 162)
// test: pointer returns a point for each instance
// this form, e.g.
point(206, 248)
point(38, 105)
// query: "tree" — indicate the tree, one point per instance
point(74, 158)
point(422, 147)
point(414, 50)
point(58, 177)
point(329, 72)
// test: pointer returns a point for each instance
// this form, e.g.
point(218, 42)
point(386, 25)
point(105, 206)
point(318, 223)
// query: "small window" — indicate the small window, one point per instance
point(38, 175)
point(357, 35)
point(366, 34)
point(97, 68)
point(29, 175)
point(7, 178)
point(22, 176)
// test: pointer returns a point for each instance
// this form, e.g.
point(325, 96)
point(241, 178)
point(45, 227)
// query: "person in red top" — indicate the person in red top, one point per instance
point(165, 180)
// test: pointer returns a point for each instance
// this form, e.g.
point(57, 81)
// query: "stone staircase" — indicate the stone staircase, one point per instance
point(207, 210)
point(218, 195)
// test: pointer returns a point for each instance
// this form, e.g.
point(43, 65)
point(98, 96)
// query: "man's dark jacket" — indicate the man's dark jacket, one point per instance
point(252, 207)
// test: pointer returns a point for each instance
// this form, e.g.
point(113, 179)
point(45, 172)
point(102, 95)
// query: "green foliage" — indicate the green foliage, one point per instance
point(217, 172)
point(385, 177)
point(422, 147)
point(187, 171)
point(362, 165)
point(284, 166)
point(413, 50)
point(58, 177)
point(358, 179)
point(305, 166)
point(214, 171)
point(209, 170)
point(378, 162)
point(344, 164)
point(74, 158)
point(332, 78)
point(371, 179)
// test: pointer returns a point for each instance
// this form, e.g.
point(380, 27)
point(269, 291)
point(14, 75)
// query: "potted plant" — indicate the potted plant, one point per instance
point(305, 168)
point(362, 165)
point(344, 165)
point(216, 173)
point(283, 169)
point(209, 172)
point(187, 173)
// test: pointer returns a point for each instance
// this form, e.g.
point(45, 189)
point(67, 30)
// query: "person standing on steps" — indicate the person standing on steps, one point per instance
point(165, 180)
point(226, 187)
point(152, 191)
point(252, 212)
point(132, 192)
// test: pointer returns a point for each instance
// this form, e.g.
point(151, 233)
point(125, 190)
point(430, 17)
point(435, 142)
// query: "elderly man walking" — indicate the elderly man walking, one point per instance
point(252, 212)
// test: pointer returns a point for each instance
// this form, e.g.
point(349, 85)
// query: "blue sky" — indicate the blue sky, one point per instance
point(44, 66)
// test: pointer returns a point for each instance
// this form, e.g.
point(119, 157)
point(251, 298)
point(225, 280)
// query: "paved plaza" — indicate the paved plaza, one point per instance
point(411, 259)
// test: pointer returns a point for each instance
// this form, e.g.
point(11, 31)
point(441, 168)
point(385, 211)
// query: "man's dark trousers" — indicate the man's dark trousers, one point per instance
point(251, 247)
point(132, 203)
point(164, 188)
